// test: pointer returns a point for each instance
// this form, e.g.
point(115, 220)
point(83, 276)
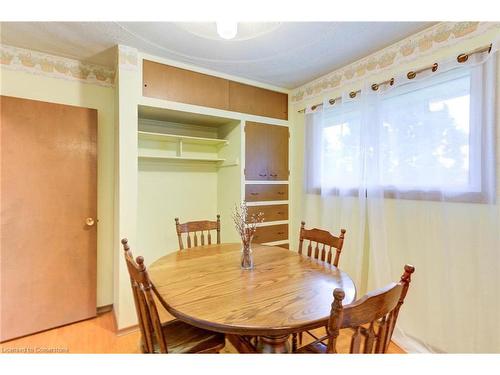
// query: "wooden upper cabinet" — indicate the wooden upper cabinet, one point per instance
point(257, 101)
point(266, 152)
point(185, 86)
point(277, 154)
point(256, 151)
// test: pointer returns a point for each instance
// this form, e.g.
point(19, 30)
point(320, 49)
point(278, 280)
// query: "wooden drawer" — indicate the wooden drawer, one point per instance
point(256, 193)
point(275, 212)
point(271, 233)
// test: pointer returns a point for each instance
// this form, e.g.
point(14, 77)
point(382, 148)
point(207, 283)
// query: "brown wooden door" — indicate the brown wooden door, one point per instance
point(48, 189)
point(277, 142)
point(256, 151)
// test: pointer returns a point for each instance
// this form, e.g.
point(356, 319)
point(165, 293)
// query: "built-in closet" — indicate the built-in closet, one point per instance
point(229, 143)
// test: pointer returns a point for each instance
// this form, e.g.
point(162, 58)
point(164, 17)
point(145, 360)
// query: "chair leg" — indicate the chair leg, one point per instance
point(294, 343)
point(300, 338)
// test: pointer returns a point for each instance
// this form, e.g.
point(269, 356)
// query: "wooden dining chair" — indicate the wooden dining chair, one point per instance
point(326, 244)
point(370, 320)
point(195, 227)
point(173, 336)
point(326, 247)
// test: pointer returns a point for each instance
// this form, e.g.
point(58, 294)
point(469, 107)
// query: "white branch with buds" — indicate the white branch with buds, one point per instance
point(246, 225)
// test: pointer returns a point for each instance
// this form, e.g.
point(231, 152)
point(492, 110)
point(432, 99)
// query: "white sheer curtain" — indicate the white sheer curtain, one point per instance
point(334, 193)
point(409, 171)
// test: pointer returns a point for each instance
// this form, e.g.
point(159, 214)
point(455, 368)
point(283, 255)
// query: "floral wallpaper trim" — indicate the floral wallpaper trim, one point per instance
point(128, 57)
point(422, 43)
point(15, 58)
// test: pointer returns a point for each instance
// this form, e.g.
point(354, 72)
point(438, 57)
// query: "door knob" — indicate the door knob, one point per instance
point(89, 221)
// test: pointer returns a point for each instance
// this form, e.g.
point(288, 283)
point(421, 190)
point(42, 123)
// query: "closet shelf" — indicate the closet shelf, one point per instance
point(150, 155)
point(183, 138)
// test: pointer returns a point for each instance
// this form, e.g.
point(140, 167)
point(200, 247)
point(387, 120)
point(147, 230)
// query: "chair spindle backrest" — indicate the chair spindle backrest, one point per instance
point(325, 244)
point(147, 313)
point(193, 228)
point(372, 318)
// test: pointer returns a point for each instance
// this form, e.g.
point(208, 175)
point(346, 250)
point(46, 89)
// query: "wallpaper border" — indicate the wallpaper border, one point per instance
point(15, 58)
point(422, 43)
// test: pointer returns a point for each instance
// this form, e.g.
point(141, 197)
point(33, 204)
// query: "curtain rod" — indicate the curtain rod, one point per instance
point(463, 57)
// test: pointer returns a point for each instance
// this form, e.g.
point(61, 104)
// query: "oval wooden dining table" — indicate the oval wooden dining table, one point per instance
point(285, 292)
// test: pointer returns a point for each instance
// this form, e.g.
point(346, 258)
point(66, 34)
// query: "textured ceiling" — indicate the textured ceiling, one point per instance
point(286, 54)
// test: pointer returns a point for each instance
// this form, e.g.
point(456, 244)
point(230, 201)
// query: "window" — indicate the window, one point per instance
point(420, 140)
point(426, 139)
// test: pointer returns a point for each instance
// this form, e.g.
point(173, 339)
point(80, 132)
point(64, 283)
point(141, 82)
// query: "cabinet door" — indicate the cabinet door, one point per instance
point(277, 143)
point(257, 101)
point(256, 151)
point(185, 86)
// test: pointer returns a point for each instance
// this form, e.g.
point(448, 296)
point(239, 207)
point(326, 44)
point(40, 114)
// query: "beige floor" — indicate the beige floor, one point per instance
point(98, 336)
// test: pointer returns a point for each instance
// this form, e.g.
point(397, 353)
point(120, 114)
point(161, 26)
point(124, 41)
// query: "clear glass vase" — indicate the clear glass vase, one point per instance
point(246, 256)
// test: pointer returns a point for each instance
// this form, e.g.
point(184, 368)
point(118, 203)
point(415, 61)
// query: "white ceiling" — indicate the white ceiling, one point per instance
point(286, 54)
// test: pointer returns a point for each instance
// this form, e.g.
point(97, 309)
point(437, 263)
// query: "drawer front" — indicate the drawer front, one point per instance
point(275, 212)
point(256, 193)
point(271, 233)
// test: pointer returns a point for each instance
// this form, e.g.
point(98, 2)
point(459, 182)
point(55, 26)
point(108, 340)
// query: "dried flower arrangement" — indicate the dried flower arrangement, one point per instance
point(246, 225)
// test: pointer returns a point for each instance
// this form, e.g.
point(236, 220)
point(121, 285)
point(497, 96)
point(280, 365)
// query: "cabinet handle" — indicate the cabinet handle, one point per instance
point(262, 174)
point(281, 213)
point(281, 193)
point(273, 175)
point(254, 193)
point(281, 232)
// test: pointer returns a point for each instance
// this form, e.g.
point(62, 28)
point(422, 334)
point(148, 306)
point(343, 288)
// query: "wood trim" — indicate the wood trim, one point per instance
point(104, 309)
point(127, 330)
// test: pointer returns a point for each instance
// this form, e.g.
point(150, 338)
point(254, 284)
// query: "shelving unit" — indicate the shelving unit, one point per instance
point(179, 141)
point(152, 155)
point(161, 137)
point(188, 167)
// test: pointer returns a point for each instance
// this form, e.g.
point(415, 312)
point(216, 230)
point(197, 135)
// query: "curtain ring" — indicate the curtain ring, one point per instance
point(375, 87)
point(463, 57)
point(411, 75)
point(391, 82)
point(352, 94)
point(435, 67)
point(331, 101)
point(314, 107)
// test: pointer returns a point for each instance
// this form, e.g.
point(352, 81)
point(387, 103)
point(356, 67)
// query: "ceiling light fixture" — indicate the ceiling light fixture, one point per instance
point(227, 30)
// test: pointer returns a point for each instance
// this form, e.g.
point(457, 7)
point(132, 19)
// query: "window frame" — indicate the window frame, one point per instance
point(482, 195)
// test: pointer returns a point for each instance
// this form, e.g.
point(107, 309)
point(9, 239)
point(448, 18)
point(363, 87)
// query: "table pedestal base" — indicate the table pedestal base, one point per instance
point(273, 344)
